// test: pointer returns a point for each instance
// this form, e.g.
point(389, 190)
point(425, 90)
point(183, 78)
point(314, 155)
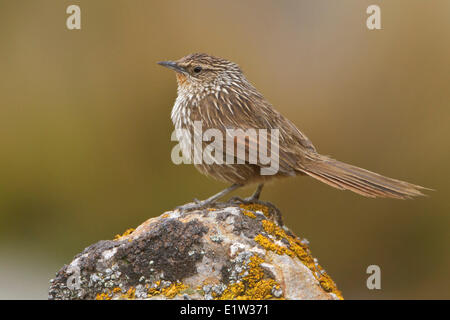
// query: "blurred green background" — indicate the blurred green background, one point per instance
point(85, 128)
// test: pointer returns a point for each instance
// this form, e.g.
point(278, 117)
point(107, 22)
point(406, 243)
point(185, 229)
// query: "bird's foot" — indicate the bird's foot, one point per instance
point(246, 200)
point(252, 198)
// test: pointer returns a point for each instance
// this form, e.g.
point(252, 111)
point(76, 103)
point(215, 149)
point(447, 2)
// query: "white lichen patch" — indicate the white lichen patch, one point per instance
point(236, 247)
point(108, 254)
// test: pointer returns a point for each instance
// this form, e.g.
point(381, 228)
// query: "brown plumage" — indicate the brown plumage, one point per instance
point(215, 91)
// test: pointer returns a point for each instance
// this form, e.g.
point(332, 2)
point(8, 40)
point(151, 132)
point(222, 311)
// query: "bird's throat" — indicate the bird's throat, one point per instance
point(181, 78)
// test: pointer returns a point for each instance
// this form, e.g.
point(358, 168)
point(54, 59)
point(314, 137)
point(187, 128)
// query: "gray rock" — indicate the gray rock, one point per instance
point(230, 250)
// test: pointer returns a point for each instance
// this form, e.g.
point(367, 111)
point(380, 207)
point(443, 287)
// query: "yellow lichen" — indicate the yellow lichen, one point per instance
point(103, 296)
point(170, 292)
point(267, 244)
point(154, 291)
point(248, 214)
point(295, 249)
point(126, 233)
point(252, 286)
point(273, 229)
point(111, 293)
point(130, 294)
point(254, 207)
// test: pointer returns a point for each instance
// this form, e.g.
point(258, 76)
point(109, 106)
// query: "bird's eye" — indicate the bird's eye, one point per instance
point(197, 69)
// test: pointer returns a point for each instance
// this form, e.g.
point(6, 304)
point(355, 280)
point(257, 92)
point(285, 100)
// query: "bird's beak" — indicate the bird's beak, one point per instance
point(172, 65)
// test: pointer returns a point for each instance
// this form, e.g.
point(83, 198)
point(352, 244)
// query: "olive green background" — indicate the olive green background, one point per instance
point(85, 128)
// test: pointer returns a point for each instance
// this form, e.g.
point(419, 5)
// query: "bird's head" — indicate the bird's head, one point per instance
point(200, 71)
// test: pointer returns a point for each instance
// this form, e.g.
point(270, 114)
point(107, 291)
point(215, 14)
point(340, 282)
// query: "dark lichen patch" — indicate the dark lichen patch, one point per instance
point(168, 247)
point(225, 272)
point(169, 251)
point(90, 256)
point(91, 260)
point(248, 226)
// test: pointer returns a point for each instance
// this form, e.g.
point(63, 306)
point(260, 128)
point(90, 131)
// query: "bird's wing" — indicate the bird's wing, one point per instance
point(251, 124)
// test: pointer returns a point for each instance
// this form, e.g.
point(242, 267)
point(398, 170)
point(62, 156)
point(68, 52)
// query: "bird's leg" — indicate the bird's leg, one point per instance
point(254, 197)
point(203, 203)
point(256, 194)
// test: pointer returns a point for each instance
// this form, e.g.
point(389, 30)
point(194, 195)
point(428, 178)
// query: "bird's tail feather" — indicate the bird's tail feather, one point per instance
point(369, 184)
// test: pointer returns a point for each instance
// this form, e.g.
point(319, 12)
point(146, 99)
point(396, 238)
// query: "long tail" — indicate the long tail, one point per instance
point(369, 184)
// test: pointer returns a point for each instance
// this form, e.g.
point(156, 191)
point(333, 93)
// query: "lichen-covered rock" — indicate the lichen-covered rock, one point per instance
point(231, 250)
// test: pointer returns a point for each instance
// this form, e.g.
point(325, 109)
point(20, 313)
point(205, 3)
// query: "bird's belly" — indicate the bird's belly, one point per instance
point(233, 173)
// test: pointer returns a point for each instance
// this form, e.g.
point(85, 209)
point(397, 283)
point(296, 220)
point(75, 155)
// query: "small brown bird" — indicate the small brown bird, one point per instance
point(216, 92)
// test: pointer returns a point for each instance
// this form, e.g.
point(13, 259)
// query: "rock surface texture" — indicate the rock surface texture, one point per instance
point(232, 250)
